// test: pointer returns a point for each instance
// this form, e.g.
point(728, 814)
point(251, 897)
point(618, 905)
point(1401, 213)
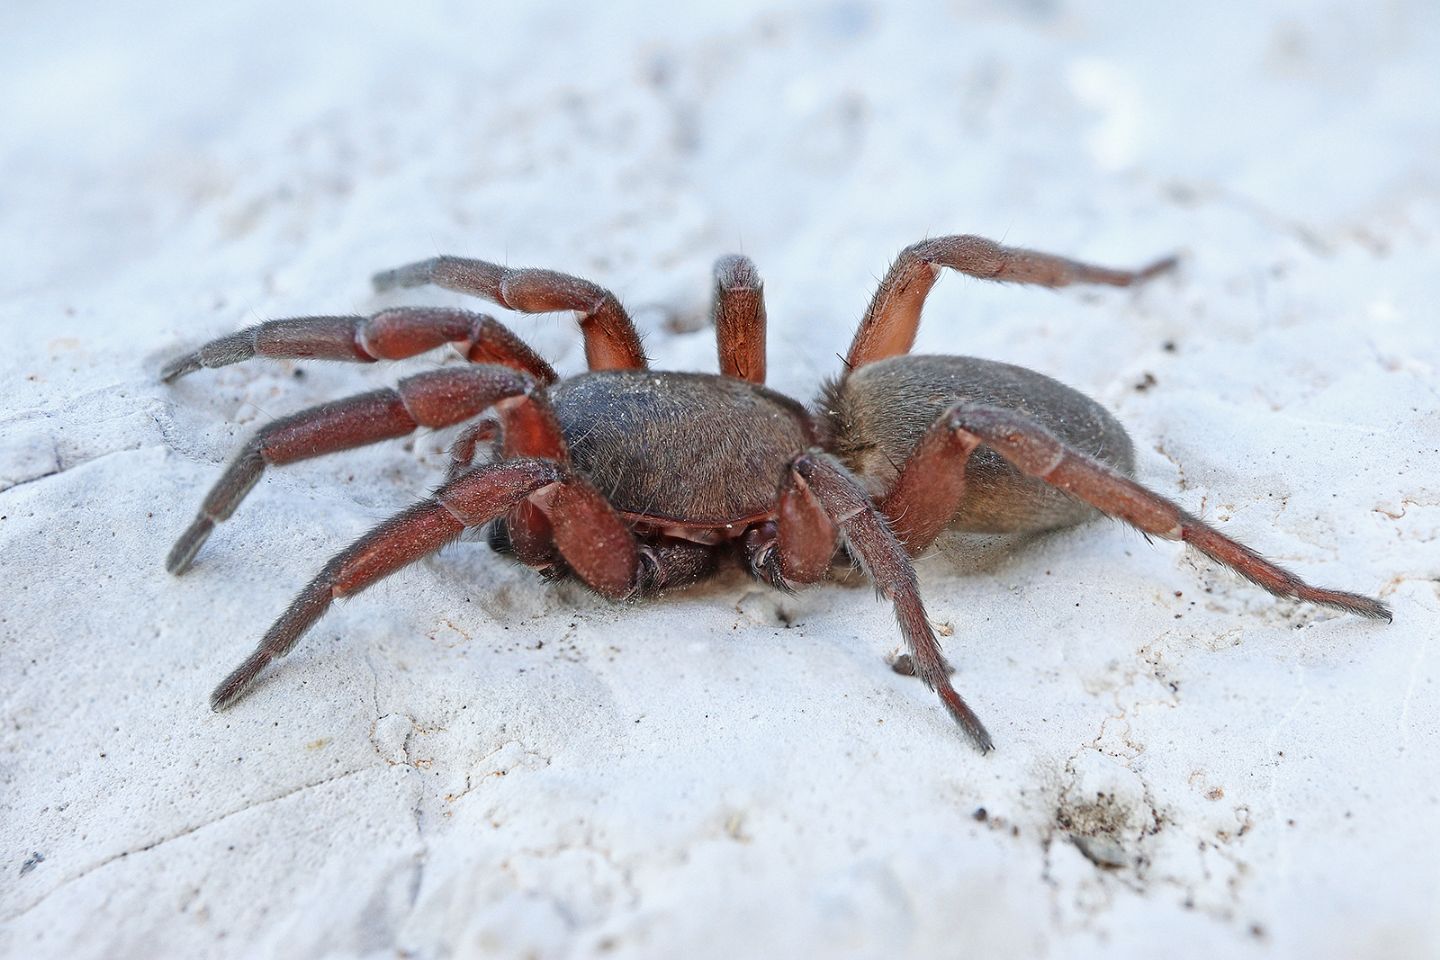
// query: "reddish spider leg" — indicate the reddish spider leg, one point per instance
point(927, 493)
point(611, 342)
point(821, 501)
point(462, 451)
point(592, 538)
point(931, 483)
point(799, 544)
point(739, 313)
point(819, 484)
point(476, 498)
point(435, 399)
point(388, 335)
point(893, 317)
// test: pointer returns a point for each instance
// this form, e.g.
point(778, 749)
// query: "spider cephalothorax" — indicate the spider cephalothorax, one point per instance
point(638, 481)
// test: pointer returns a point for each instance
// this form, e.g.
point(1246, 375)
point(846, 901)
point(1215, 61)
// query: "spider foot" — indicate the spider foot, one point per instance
point(1163, 265)
point(762, 556)
point(182, 554)
point(669, 564)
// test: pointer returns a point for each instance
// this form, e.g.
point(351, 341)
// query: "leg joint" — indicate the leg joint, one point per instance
point(1017, 438)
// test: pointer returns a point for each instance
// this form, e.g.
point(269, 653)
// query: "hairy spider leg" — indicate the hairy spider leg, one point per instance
point(388, 335)
point(797, 546)
point(927, 493)
point(872, 544)
point(1038, 453)
point(438, 398)
point(890, 323)
point(476, 498)
point(611, 342)
point(462, 450)
point(739, 314)
point(592, 538)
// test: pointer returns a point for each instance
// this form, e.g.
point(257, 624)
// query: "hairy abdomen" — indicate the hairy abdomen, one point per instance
point(876, 416)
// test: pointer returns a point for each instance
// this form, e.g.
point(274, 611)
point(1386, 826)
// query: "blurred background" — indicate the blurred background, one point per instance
point(431, 778)
point(638, 146)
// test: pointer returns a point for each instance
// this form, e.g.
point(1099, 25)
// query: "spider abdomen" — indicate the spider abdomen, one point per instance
point(696, 449)
point(874, 418)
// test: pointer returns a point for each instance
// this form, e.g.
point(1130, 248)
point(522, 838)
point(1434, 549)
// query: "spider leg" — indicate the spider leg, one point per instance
point(476, 498)
point(884, 560)
point(594, 540)
point(927, 494)
point(462, 451)
point(799, 545)
point(611, 342)
point(387, 335)
point(890, 322)
point(739, 313)
point(435, 399)
point(525, 532)
point(1037, 452)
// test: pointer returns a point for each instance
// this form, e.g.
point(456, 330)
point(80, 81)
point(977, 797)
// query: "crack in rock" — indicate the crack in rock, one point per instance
point(177, 835)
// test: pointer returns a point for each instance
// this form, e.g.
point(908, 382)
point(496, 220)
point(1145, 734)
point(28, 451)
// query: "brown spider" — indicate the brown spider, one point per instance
point(638, 481)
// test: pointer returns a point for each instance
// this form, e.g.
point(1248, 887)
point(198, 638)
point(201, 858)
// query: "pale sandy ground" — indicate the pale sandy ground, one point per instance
point(467, 762)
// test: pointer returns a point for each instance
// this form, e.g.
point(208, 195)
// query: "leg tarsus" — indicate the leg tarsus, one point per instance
point(475, 277)
point(237, 480)
point(302, 613)
point(1273, 578)
point(463, 450)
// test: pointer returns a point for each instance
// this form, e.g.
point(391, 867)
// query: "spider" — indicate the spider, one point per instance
point(638, 481)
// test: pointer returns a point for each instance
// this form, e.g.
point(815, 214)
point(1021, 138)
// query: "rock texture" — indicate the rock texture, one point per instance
point(465, 761)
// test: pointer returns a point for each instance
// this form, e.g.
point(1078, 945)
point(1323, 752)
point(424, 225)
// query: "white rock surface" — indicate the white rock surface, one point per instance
point(467, 762)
